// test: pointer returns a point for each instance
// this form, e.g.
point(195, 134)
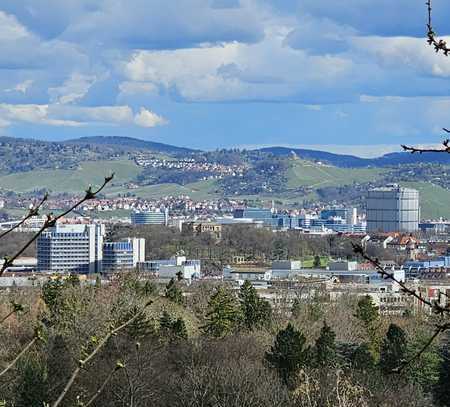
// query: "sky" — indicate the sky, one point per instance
point(209, 74)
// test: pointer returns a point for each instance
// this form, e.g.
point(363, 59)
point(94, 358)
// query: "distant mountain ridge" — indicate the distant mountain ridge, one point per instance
point(120, 143)
point(350, 161)
point(132, 143)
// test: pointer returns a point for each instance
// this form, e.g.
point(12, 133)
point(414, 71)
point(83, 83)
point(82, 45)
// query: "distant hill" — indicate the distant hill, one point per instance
point(132, 143)
point(350, 161)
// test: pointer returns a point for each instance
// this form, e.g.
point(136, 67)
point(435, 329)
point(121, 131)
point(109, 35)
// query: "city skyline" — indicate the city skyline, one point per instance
point(224, 73)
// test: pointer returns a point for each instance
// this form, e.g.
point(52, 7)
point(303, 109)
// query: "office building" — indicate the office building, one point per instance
point(71, 249)
point(123, 255)
point(393, 209)
point(156, 217)
point(267, 216)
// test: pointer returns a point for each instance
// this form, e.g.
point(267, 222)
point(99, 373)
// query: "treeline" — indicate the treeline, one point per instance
point(254, 244)
point(210, 346)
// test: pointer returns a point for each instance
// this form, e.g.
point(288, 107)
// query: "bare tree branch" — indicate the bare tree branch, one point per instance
point(434, 305)
point(82, 363)
point(438, 44)
point(36, 337)
point(439, 330)
point(33, 211)
point(445, 149)
point(51, 221)
point(119, 365)
point(16, 307)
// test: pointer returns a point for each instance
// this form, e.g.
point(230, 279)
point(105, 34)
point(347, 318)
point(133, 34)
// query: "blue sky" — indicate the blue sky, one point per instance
point(222, 73)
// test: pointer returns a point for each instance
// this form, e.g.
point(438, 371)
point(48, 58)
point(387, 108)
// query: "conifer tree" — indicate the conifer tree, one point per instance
point(289, 354)
point(223, 314)
point(172, 329)
point(362, 358)
point(256, 312)
point(317, 262)
point(325, 347)
point(174, 293)
point(33, 385)
point(393, 349)
point(367, 313)
point(442, 388)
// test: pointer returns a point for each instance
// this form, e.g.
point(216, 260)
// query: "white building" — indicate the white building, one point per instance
point(393, 209)
point(176, 267)
point(123, 255)
point(71, 248)
point(286, 269)
point(240, 275)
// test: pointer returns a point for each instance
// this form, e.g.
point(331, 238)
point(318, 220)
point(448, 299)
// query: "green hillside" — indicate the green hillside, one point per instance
point(434, 200)
point(309, 174)
point(93, 172)
point(90, 172)
point(196, 190)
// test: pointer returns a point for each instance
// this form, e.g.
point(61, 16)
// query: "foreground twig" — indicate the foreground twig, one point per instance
point(51, 221)
point(17, 358)
point(445, 149)
point(438, 44)
point(118, 366)
point(82, 363)
point(33, 211)
point(16, 307)
point(434, 305)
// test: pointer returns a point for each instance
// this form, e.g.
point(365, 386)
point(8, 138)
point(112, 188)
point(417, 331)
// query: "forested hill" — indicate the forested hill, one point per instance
point(132, 143)
point(20, 154)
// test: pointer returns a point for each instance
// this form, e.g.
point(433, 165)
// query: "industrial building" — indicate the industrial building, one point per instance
point(393, 209)
point(71, 248)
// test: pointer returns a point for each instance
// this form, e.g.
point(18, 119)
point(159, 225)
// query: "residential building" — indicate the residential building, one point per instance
point(393, 209)
point(74, 248)
point(123, 255)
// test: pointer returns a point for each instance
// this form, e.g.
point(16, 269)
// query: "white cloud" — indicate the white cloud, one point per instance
point(133, 88)
point(10, 28)
point(237, 71)
point(74, 116)
point(403, 54)
point(73, 89)
point(35, 114)
point(146, 118)
point(21, 87)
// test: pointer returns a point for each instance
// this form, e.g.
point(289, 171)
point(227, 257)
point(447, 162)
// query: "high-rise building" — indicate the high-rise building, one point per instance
point(156, 217)
point(393, 209)
point(71, 248)
point(123, 255)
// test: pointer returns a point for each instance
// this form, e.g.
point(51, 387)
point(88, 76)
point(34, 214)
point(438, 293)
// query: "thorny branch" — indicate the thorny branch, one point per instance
point(51, 221)
point(434, 305)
